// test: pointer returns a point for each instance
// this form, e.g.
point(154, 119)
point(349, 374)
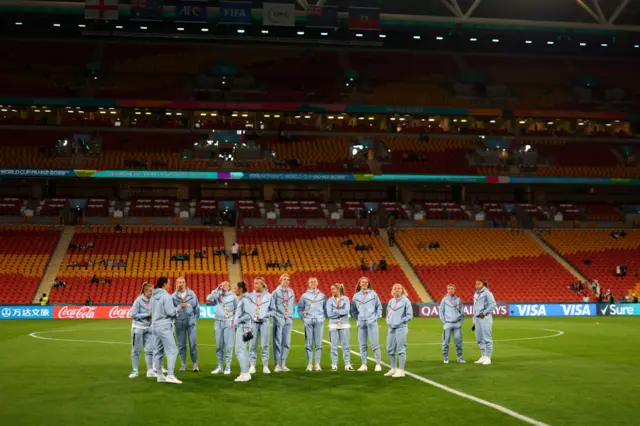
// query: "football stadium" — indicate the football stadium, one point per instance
point(319, 212)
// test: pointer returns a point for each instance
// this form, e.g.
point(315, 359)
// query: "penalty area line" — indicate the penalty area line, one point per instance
point(445, 388)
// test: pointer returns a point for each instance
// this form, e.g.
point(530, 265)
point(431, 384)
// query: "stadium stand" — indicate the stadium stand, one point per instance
point(597, 253)
point(320, 253)
point(516, 267)
point(24, 254)
point(135, 254)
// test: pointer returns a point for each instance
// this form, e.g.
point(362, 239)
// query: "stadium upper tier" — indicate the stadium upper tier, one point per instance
point(24, 254)
point(179, 71)
point(121, 260)
point(597, 253)
point(516, 267)
point(320, 253)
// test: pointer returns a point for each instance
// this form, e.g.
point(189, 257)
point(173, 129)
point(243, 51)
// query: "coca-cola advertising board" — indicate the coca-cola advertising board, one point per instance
point(91, 312)
point(432, 311)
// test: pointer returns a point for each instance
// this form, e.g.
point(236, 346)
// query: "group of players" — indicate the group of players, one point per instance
point(243, 318)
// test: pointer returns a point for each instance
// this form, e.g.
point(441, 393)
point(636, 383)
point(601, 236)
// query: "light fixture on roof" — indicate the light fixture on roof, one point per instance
point(340, 117)
point(18, 23)
point(178, 113)
point(143, 27)
point(204, 30)
point(495, 40)
point(168, 113)
point(277, 116)
point(307, 116)
point(393, 119)
point(581, 123)
point(265, 31)
point(180, 28)
point(81, 25)
point(358, 34)
point(636, 46)
point(235, 114)
point(528, 41)
point(331, 117)
point(402, 118)
point(492, 121)
point(57, 25)
point(549, 42)
point(473, 39)
point(324, 34)
point(521, 122)
point(549, 122)
point(300, 33)
point(246, 115)
point(608, 124)
point(464, 120)
point(382, 35)
point(112, 112)
point(147, 113)
point(431, 120)
point(604, 45)
point(241, 31)
point(371, 118)
point(416, 37)
point(439, 38)
point(583, 44)
point(119, 27)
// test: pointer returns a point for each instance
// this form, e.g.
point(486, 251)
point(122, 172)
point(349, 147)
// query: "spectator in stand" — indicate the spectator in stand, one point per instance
point(254, 252)
point(88, 302)
point(235, 252)
point(94, 279)
point(372, 265)
point(585, 299)
point(363, 265)
point(611, 299)
point(44, 300)
point(90, 245)
point(383, 264)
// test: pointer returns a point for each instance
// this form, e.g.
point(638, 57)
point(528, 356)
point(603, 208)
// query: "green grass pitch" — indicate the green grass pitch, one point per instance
point(588, 375)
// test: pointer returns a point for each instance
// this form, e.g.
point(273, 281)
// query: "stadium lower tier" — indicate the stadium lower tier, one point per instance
point(124, 290)
point(381, 281)
point(519, 279)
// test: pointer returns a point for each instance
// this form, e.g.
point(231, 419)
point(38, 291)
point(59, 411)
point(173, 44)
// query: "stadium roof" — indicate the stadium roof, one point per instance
point(606, 15)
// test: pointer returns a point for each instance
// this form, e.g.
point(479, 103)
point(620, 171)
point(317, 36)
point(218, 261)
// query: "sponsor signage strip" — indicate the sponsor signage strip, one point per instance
point(553, 310)
point(26, 312)
point(433, 310)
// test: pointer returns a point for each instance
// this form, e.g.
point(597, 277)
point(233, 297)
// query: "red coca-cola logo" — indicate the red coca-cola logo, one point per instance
point(120, 312)
point(75, 312)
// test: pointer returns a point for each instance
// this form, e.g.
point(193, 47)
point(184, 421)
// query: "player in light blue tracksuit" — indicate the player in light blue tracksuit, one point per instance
point(399, 313)
point(311, 309)
point(260, 326)
point(452, 316)
point(163, 315)
point(186, 326)
point(225, 302)
point(483, 305)
point(141, 336)
point(242, 323)
point(339, 326)
point(366, 309)
point(283, 300)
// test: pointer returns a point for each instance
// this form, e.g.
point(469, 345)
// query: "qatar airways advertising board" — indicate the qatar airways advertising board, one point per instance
point(433, 311)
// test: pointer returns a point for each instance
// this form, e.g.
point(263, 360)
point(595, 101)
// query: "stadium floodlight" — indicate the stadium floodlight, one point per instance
point(143, 27)
point(300, 33)
point(549, 42)
point(636, 46)
point(604, 45)
point(18, 23)
point(324, 34)
point(495, 40)
point(56, 25)
point(473, 39)
point(528, 41)
point(382, 35)
point(439, 38)
point(204, 30)
point(416, 37)
point(119, 27)
point(358, 34)
point(81, 25)
point(180, 28)
point(265, 31)
point(583, 44)
point(240, 31)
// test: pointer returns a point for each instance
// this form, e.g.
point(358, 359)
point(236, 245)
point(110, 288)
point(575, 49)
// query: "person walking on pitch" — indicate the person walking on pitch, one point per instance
point(452, 316)
point(483, 305)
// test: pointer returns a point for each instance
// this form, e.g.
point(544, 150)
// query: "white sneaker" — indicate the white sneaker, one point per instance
point(481, 360)
point(363, 367)
point(317, 368)
point(173, 379)
point(227, 371)
point(243, 377)
point(161, 378)
point(487, 361)
point(218, 370)
point(165, 371)
point(309, 367)
point(390, 372)
point(252, 369)
point(284, 368)
point(334, 367)
point(183, 368)
point(348, 367)
point(152, 373)
point(133, 374)
point(378, 368)
point(265, 370)
point(398, 373)
point(277, 369)
point(195, 368)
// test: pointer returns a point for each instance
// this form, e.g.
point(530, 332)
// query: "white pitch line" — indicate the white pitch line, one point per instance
point(484, 402)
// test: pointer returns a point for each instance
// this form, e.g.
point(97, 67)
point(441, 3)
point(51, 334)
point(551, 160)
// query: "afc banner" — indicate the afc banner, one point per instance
point(109, 312)
point(433, 310)
point(553, 310)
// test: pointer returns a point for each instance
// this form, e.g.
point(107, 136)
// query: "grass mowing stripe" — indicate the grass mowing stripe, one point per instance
point(454, 391)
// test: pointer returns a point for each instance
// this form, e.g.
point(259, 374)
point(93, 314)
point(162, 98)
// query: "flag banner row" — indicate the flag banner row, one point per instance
point(235, 13)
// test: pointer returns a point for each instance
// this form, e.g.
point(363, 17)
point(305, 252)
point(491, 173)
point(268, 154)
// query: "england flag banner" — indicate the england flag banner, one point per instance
point(278, 14)
point(101, 9)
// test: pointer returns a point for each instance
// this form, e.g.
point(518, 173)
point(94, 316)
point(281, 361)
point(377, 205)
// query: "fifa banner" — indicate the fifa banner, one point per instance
point(104, 312)
point(620, 310)
point(278, 14)
point(364, 18)
point(433, 310)
point(235, 12)
point(26, 312)
point(553, 310)
point(191, 11)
